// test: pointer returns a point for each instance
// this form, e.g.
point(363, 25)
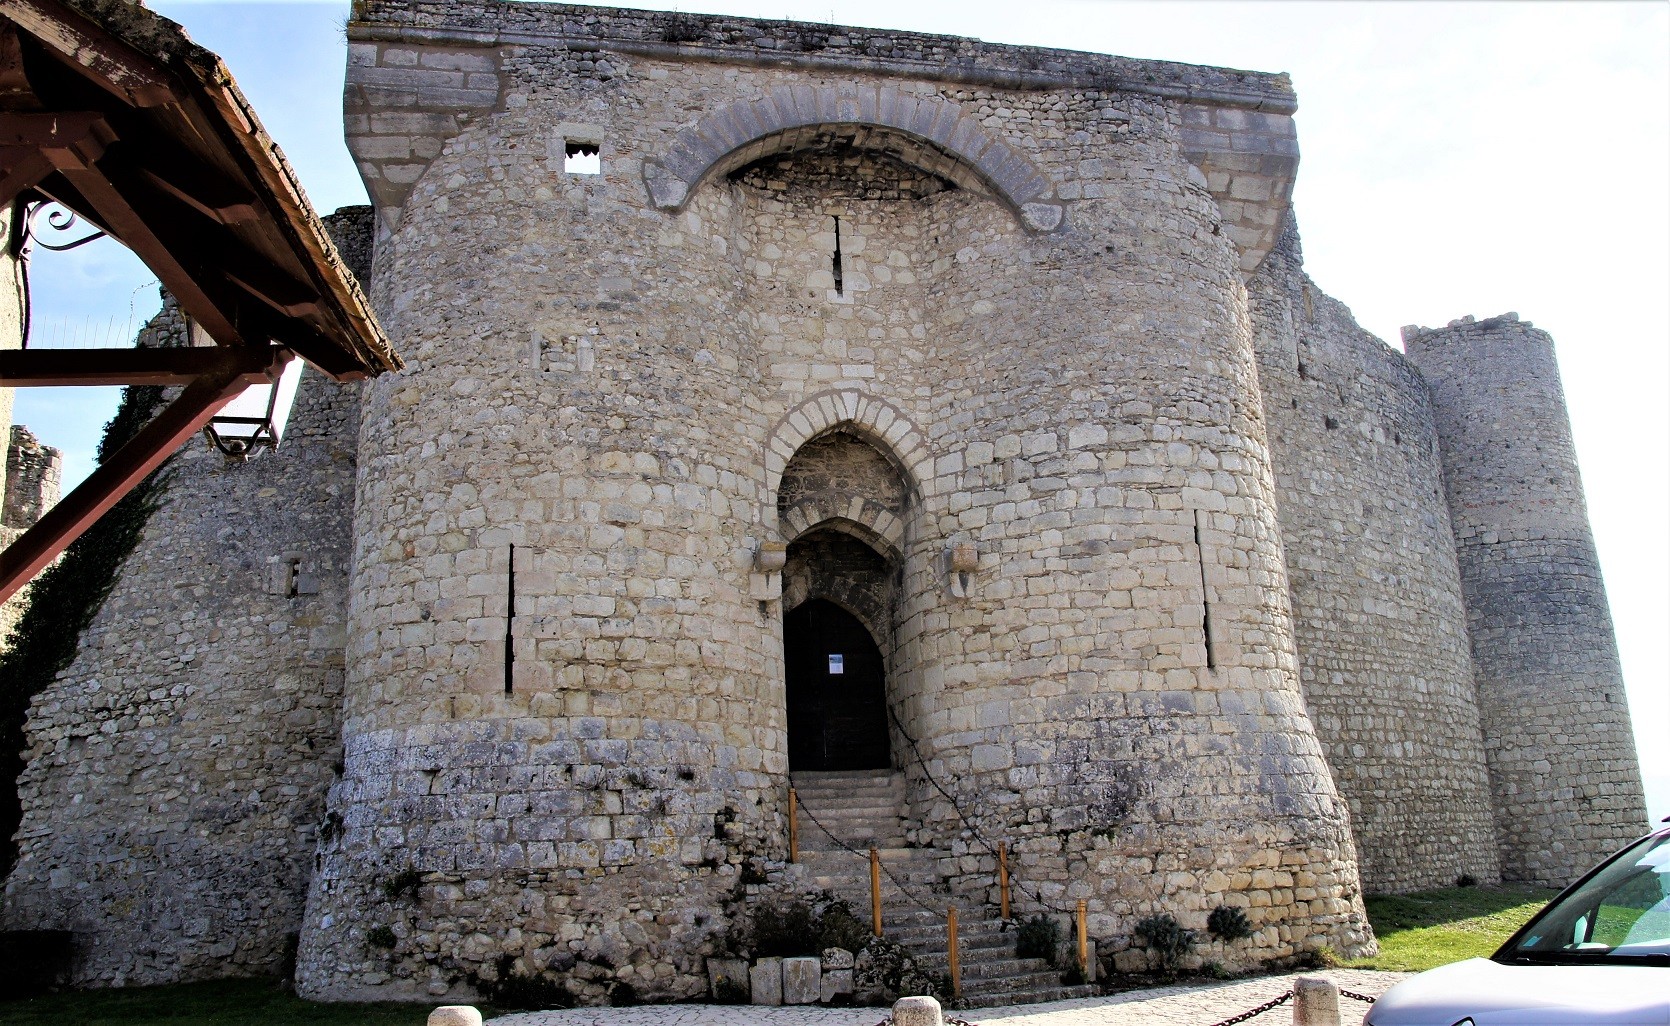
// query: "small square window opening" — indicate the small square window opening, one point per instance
point(582, 158)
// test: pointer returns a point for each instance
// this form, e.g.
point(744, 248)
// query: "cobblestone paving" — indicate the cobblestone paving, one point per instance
point(1191, 1004)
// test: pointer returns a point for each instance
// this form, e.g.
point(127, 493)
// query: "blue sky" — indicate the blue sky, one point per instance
point(1459, 158)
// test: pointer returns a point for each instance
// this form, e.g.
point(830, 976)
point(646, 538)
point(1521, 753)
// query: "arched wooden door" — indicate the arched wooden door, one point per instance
point(837, 690)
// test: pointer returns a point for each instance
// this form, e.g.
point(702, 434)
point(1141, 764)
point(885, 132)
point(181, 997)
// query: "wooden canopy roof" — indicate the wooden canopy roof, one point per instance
point(112, 111)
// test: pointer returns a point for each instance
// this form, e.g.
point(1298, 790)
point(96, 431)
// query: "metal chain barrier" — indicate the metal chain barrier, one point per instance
point(1364, 998)
point(866, 857)
point(1260, 1010)
point(990, 848)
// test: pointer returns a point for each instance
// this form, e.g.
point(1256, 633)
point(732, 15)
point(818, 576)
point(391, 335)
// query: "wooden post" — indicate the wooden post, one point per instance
point(794, 831)
point(1084, 942)
point(956, 961)
point(1003, 877)
point(875, 889)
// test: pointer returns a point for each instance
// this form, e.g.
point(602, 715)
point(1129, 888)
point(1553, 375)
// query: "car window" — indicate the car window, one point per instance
point(1620, 913)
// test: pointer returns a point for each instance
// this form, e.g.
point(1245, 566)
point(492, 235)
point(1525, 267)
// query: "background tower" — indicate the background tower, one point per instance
point(1562, 760)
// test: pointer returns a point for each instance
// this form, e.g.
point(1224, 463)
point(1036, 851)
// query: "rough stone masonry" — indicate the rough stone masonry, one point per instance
point(1186, 587)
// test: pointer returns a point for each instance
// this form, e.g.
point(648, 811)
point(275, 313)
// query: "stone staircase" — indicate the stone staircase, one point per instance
point(860, 808)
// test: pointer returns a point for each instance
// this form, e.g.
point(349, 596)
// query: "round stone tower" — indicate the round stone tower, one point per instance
point(1562, 759)
point(804, 356)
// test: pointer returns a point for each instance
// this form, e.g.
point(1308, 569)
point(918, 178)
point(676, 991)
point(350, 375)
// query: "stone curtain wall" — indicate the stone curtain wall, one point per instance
point(593, 379)
point(1556, 721)
point(178, 768)
point(1381, 630)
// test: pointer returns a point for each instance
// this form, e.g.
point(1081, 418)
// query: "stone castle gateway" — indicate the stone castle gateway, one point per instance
point(882, 402)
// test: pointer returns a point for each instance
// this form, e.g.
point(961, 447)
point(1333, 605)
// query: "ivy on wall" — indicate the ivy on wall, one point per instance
point(63, 601)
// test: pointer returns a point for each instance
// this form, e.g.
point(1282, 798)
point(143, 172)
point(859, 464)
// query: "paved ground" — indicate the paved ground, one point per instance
point(1191, 1004)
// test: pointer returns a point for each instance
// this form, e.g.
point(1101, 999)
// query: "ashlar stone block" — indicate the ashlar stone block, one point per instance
point(765, 981)
point(802, 981)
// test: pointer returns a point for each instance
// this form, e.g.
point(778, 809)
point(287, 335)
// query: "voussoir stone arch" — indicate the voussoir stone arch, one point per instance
point(876, 421)
point(864, 518)
point(940, 135)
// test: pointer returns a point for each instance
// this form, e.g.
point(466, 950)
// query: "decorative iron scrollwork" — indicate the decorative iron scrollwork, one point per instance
point(60, 221)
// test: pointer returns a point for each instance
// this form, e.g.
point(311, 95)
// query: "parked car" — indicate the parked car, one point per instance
point(1599, 953)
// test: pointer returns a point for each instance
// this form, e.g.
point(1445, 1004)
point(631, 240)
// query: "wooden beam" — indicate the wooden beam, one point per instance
point(118, 475)
point(50, 129)
point(215, 198)
point(22, 368)
point(105, 189)
point(93, 53)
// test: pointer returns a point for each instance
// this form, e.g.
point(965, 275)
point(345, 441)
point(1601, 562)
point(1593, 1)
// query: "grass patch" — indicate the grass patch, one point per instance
point(217, 1003)
point(1434, 928)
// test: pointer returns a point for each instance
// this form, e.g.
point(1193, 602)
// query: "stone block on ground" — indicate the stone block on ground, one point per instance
point(1315, 1002)
point(727, 978)
point(917, 1011)
point(765, 982)
point(455, 1015)
point(802, 981)
point(837, 958)
point(837, 984)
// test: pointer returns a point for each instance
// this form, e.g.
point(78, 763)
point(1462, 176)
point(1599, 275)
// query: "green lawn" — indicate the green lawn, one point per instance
point(222, 1003)
point(1433, 928)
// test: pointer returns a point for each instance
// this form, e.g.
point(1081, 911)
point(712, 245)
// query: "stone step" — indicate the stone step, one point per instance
point(1002, 998)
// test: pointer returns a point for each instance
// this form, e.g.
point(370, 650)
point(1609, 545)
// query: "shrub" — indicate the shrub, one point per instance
point(380, 937)
point(402, 884)
point(1038, 937)
point(1467, 880)
point(1072, 976)
point(784, 929)
point(839, 928)
point(522, 992)
point(1164, 936)
point(1228, 923)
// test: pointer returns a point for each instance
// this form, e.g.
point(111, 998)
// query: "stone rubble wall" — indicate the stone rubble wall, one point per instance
point(12, 301)
point(614, 388)
point(30, 484)
point(1377, 602)
point(1562, 758)
point(34, 474)
point(178, 768)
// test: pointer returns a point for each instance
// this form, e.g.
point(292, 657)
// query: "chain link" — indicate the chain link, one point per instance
point(1260, 1010)
point(1355, 996)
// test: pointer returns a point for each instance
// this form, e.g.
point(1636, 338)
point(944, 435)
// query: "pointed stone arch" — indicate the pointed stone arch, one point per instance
point(876, 421)
point(936, 134)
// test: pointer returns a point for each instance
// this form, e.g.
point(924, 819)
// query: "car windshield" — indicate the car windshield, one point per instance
point(1621, 914)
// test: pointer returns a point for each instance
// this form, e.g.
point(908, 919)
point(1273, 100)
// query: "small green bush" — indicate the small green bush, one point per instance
point(784, 929)
point(1038, 937)
point(1163, 935)
point(839, 928)
point(1467, 880)
point(521, 992)
point(380, 937)
point(402, 884)
point(1228, 923)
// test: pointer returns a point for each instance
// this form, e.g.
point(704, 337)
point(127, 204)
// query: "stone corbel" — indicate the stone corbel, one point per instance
point(766, 582)
point(962, 559)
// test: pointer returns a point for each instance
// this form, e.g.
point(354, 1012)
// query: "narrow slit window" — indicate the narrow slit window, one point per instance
point(510, 622)
point(582, 158)
point(1205, 599)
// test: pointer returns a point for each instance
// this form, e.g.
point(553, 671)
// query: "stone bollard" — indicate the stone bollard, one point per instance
point(1315, 1002)
point(917, 1011)
point(455, 1015)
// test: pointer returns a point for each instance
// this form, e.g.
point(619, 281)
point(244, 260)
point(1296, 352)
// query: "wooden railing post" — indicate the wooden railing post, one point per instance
point(1084, 942)
point(1003, 877)
point(794, 830)
point(951, 948)
point(875, 889)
